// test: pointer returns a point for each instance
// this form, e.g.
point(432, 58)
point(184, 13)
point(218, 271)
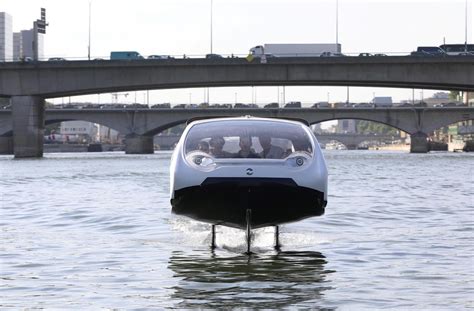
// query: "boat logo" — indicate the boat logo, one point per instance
point(249, 171)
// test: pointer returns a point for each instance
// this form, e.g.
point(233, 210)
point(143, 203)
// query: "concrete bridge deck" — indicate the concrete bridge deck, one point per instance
point(68, 78)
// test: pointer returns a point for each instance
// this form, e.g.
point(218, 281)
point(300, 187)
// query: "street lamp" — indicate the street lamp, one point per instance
point(208, 101)
point(337, 25)
point(89, 46)
point(465, 31)
point(211, 24)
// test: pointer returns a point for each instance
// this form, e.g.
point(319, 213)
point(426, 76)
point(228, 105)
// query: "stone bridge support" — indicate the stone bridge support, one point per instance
point(6, 145)
point(419, 143)
point(139, 144)
point(28, 126)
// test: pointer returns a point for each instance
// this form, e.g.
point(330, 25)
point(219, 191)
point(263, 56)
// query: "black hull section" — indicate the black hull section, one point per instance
point(224, 201)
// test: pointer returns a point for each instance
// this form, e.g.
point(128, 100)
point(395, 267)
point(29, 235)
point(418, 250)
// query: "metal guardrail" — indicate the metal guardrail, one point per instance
point(203, 56)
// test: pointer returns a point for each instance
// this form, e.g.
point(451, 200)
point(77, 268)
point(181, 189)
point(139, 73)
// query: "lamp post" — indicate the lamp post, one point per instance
point(208, 101)
point(211, 24)
point(89, 46)
point(337, 25)
point(465, 30)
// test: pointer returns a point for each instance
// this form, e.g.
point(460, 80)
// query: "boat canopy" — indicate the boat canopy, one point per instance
point(248, 138)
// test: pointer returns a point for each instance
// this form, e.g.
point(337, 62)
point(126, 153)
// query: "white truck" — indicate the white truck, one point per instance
point(294, 49)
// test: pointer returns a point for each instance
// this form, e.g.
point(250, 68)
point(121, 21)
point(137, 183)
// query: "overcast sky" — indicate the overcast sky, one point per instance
point(183, 27)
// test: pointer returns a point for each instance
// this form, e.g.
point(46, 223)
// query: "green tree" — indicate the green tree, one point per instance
point(454, 95)
point(368, 127)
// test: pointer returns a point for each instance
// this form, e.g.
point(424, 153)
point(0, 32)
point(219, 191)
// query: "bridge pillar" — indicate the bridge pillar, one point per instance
point(28, 126)
point(6, 144)
point(419, 143)
point(138, 144)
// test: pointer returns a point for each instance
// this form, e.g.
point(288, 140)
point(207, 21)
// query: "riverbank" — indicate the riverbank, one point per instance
point(53, 148)
point(397, 147)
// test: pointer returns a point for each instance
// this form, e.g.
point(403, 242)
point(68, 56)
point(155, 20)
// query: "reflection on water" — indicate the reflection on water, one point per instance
point(257, 281)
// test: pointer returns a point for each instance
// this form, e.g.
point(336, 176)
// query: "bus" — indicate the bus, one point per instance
point(125, 55)
point(456, 49)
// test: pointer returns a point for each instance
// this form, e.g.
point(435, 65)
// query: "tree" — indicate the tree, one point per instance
point(368, 127)
point(454, 95)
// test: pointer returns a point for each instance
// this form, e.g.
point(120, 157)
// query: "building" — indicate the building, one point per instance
point(78, 131)
point(27, 44)
point(346, 127)
point(6, 37)
point(107, 135)
point(17, 46)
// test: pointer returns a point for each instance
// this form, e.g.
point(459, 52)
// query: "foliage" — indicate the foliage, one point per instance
point(454, 95)
point(4, 102)
point(368, 127)
point(52, 128)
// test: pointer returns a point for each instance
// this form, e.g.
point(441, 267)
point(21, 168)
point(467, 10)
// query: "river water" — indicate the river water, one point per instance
point(95, 231)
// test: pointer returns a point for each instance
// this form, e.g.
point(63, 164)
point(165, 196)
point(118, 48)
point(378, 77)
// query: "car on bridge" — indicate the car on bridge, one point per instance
point(125, 55)
point(293, 105)
point(331, 54)
point(56, 59)
point(363, 105)
point(161, 106)
point(272, 105)
point(321, 105)
point(159, 57)
point(365, 54)
point(429, 51)
point(213, 56)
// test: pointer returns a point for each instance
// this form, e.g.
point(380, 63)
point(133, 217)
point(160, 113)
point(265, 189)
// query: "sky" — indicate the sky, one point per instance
point(177, 27)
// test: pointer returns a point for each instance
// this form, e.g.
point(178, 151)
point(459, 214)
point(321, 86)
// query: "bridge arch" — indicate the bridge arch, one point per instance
point(438, 121)
point(353, 138)
point(164, 127)
point(375, 120)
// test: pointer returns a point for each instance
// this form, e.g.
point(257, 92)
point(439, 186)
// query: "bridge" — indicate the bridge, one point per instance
point(140, 125)
point(27, 84)
point(353, 140)
point(69, 78)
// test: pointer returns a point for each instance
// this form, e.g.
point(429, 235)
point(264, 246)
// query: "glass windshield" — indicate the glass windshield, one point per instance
point(248, 139)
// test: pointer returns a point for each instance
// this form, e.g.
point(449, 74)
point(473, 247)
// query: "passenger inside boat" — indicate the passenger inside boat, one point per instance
point(269, 151)
point(246, 150)
point(233, 139)
point(203, 146)
point(216, 145)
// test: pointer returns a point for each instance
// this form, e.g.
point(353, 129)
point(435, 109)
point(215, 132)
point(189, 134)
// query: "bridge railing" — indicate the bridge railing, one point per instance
point(161, 57)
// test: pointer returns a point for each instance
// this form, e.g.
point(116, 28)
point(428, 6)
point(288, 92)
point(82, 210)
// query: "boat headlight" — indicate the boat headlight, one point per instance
point(200, 160)
point(298, 159)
